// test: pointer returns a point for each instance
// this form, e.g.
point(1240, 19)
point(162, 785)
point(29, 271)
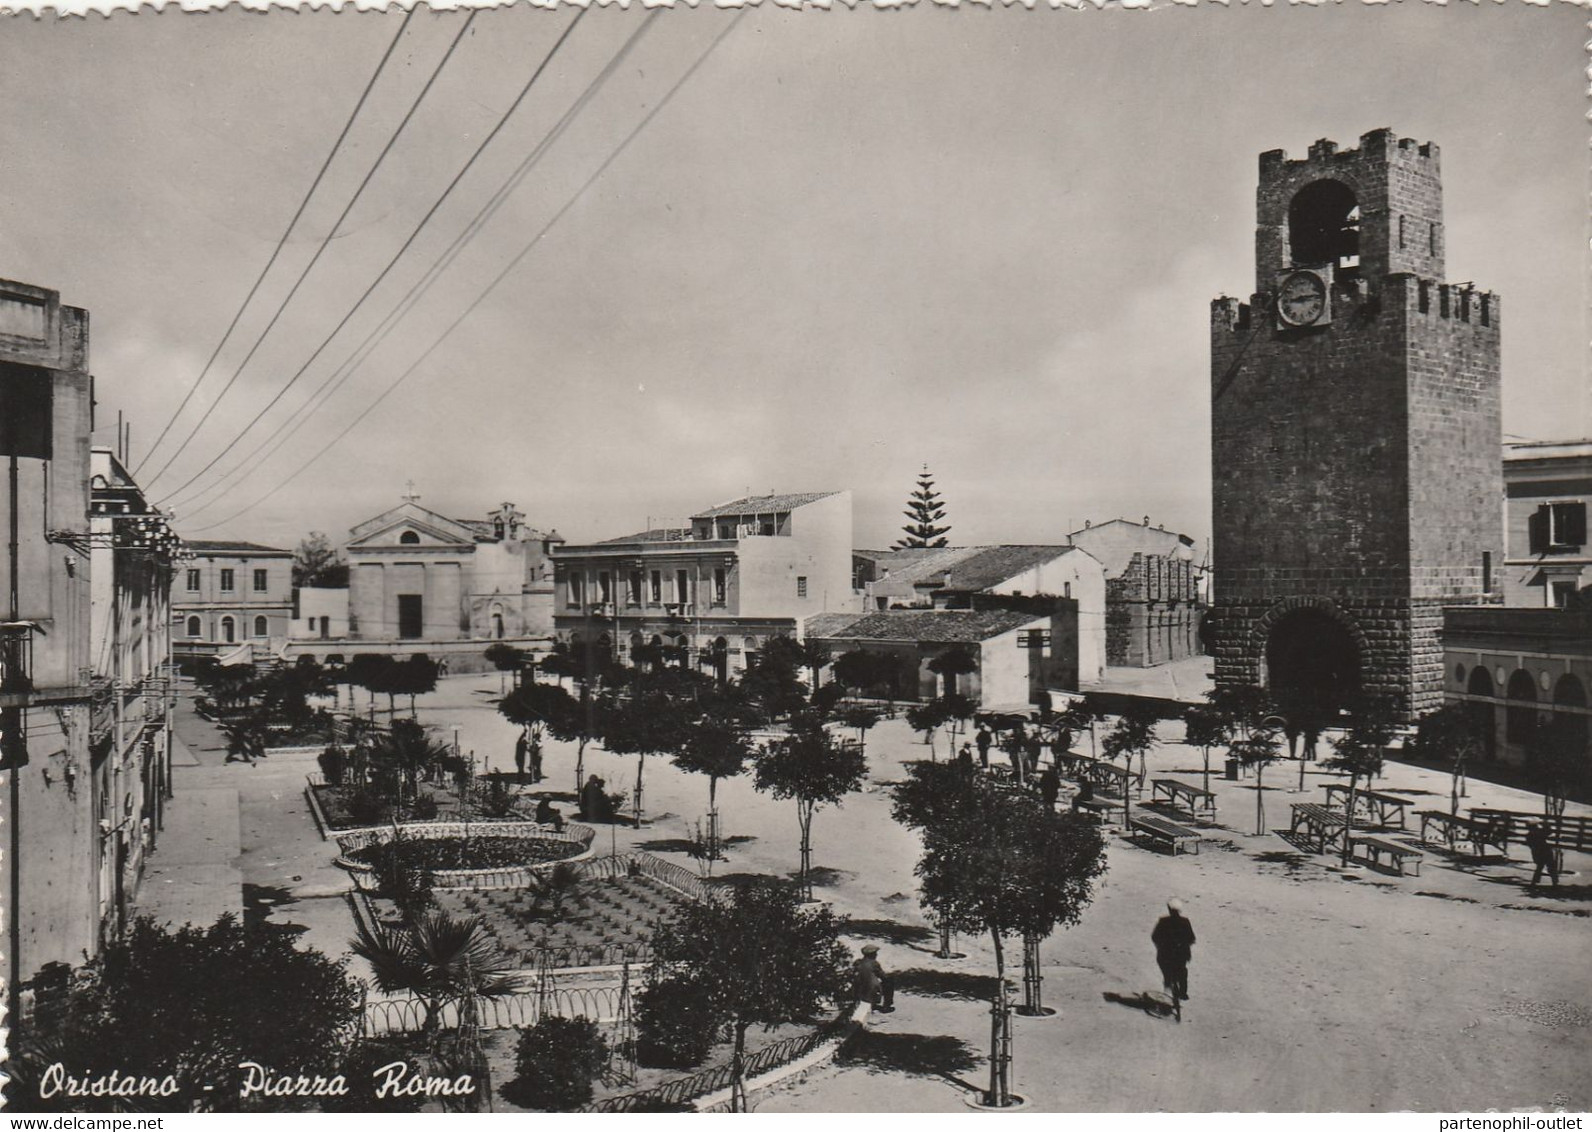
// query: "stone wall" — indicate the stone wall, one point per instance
point(1356, 466)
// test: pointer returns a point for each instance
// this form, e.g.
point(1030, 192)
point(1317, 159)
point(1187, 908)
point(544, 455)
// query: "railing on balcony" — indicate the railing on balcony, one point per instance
point(16, 656)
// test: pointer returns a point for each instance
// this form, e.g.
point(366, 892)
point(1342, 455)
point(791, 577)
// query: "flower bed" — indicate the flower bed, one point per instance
point(476, 851)
point(601, 921)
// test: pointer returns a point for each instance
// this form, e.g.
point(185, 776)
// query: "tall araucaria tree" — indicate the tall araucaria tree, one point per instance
point(924, 511)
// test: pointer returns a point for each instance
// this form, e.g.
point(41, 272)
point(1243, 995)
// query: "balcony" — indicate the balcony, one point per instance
point(16, 657)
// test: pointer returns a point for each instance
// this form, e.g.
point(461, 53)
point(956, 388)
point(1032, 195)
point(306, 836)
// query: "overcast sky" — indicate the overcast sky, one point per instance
point(853, 243)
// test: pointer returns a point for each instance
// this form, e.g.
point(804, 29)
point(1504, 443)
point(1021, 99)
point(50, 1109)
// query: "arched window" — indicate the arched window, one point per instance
point(261, 627)
point(1484, 715)
point(409, 538)
point(229, 633)
point(1324, 225)
point(195, 627)
point(1522, 708)
point(1569, 692)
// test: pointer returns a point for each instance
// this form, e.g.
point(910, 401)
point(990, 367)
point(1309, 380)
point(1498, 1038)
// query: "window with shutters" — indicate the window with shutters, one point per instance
point(193, 581)
point(1558, 528)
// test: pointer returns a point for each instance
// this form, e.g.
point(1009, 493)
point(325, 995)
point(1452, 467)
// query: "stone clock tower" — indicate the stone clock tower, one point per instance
point(1355, 434)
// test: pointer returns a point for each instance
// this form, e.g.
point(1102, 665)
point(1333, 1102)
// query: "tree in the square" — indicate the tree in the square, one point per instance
point(1002, 864)
point(1205, 727)
point(928, 717)
point(1556, 759)
point(1257, 749)
point(541, 708)
point(931, 793)
point(1455, 734)
point(955, 662)
point(860, 718)
point(1082, 715)
point(194, 1003)
point(1359, 752)
point(506, 658)
point(1132, 734)
point(771, 682)
point(317, 562)
point(440, 960)
point(813, 767)
point(924, 513)
point(759, 959)
point(718, 748)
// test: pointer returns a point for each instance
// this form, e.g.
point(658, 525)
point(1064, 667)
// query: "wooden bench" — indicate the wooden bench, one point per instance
point(1567, 831)
point(1317, 826)
point(1098, 806)
point(1160, 831)
point(1457, 827)
point(1183, 795)
point(1380, 808)
point(1376, 847)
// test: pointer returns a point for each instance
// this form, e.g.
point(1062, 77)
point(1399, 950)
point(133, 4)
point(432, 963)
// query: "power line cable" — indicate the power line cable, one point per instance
point(281, 243)
point(325, 243)
point(391, 263)
point(338, 377)
point(502, 275)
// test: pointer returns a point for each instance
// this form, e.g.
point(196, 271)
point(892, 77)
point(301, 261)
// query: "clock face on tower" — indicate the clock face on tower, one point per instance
point(1302, 299)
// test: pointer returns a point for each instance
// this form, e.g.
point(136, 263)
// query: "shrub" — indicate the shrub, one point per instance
point(399, 878)
point(675, 1024)
point(334, 765)
point(359, 1070)
point(556, 1063)
point(497, 797)
point(365, 806)
point(424, 809)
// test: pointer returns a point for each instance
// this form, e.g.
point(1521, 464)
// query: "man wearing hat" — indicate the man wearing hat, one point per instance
point(871, 983)
point(1174, 942)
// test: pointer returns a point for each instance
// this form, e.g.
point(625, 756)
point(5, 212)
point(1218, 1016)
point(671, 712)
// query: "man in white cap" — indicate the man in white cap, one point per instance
point(1174, 943)
point(872, 984)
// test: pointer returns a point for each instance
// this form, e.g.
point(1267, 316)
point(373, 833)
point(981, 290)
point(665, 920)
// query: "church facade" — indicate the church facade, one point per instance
point(1355, 434)
point(418, 578)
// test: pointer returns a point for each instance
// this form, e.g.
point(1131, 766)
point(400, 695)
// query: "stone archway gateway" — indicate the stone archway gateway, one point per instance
point(1313, 653)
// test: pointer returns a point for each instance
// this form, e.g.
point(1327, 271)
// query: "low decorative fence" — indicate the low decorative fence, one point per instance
point(682, 1091)
point(665, 872)
point(504, 1012)
point(517, 876)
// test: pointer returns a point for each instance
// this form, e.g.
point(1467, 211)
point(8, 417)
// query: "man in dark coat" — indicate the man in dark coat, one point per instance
point(1174, 944)
point(521, 749)
point(1049, 787)
point(872, 984)
point(1541, 846)
point(983, 741)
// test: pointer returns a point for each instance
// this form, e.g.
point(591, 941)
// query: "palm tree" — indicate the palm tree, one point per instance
point(437, 959)
point(408, 751)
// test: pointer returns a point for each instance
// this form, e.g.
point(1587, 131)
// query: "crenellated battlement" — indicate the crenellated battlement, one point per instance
point(1456, 302)
point(1378, 145)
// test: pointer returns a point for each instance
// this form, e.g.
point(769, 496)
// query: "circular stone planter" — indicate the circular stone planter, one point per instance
point(551, 849)
point(977, 1101)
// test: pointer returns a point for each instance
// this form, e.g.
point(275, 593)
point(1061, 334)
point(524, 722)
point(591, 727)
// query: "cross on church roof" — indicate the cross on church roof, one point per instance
point(410, 495)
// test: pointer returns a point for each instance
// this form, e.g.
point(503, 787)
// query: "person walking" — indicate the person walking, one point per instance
point(1542, 855)
point(521, 749)
point(1174, 944)
point(872, 984)
point(533, 755)
point(982, 740)
point(1049, 788)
